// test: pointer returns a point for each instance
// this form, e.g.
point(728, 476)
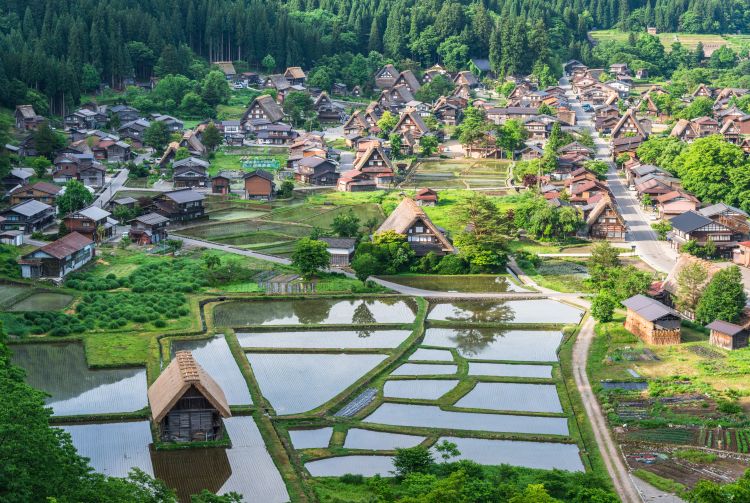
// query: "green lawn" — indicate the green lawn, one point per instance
point(226, 160)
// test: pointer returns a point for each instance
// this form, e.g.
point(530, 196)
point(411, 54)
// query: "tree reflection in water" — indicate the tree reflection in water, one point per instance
point(312, 312)
point(363, 316)
point(471, 341)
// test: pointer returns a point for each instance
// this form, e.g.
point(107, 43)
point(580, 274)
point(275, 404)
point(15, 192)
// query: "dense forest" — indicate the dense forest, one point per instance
point(52, 51)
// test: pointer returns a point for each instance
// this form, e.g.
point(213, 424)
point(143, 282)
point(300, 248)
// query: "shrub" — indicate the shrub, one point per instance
point(349, 478)
point(160, 323)
point(451, 265)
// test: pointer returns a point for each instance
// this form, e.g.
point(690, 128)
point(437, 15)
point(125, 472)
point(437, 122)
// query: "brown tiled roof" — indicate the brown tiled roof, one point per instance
point(49, 188)
point(182, 373)
point(66, 245)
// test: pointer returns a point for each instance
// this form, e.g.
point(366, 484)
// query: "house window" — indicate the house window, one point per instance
point(419, 229)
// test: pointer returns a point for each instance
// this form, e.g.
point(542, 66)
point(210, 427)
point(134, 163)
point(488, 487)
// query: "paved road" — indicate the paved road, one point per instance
point(610, 451)
point(657, 254)
point(115, 184)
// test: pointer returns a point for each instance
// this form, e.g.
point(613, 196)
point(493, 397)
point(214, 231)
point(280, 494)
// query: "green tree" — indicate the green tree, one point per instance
point(699, 107)
point(215, 89)
point(512, 136)
point(346, 225)
point(724, 297)
point(454, 53)
point(211, 137)
point(396, 144)
point(661, 151)
point(386, 123)
point(428, 144)
point(603, 306)
point(691, 281)
point(545, 109)
point(269, 63)
point(473, 127)
point(310, 257)
point(76, 197)
point(604, 259)
point(412, 460)
point(437, 87)
point(599, 168)
point(47, 141)
point(39, 165)
point(365, 265)
point(286, 189)
point(90, 78)
point(156, 135)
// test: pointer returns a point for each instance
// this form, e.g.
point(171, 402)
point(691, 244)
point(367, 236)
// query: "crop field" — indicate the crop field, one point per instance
point(42, 301)
point(460, 174)
point(8, 293)
point(689, 40)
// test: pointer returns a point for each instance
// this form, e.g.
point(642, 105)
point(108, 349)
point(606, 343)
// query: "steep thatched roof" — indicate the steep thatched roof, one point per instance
point(405, 215)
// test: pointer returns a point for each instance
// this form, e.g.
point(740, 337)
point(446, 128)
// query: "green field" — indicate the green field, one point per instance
point(459, 174)
point(689, 40)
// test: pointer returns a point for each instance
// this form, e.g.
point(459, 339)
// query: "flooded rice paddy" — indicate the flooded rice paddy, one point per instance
point(8, 293)
point(300, 382)
point(424, 369)
point(512, 396)
point(369, 466)
point(216, 358)
point(61, 371)
point(437, 355)
point(510, 370)
point(235, 214)
point(430, 416)
point(462, 284)
point(114, 448)
point(315, 312)
point(541, 455)
point(379, 440)
point(422, 389)
point(42, 301)
point(324, 339)
point(311, 439)
point(509, 311)
point(498, 344)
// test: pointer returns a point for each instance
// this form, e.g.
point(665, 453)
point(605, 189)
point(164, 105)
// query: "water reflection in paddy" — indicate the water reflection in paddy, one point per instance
point(424, 389)
point(512, 396)
point(61, 371)
point(423, 354)
point(114, 448)
point(310, 439)
point(379, 440)
point(423, 369)
point(369, 466)
point(510, 370)
point(541, 455)
point(216, 358)
point(430, 416)
point(300, 382)
point(365, 338)
point(510, 311)
point(315, 311)
point(498, 344)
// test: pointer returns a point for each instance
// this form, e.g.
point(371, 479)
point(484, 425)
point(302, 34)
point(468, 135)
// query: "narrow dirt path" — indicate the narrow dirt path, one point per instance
point(610, 452)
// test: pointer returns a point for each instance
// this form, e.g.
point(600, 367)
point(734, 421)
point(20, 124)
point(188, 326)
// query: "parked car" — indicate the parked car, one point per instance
point(587, 107)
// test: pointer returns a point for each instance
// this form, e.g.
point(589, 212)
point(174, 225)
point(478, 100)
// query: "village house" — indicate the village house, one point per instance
point(85, 119)
point(295, 76)
point(28, 216)
point(81, 167)
point(675, 203)
point(408, 80)
point(730, 217)
point(386, 77)
point(395, 98)
point(190, 172)
point(180, 205)
point(16, 177)
point(372, 170)
point(411, 123)
point(122, 202)
point(26, 118)
point(448, 111)
point(727, 335)
point(604, 221)
point(148, 229)
point(227, 68)
point(58, 258)
point(356, 124)
point(124, 113)
point(259, 184)
point(694, 226)
point(44, 192)
point(276, 134)
point(92, 222)
point(12, 238)
point(340, 249)
point(316, 170)
point(191, 141)
point(467, 79)
point(186, 403)
point(327, 110)
point(625, 145)
point(134, 131)
point(629, 125)
point(172, 123)
point(499, 115)
point(221, 183)
point(409, 220)
point(111, 150)
point(426, 197)
point(651, 321)
point(741, 254)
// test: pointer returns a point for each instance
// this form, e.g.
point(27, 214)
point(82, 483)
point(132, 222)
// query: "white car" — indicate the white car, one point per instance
point(239, 86)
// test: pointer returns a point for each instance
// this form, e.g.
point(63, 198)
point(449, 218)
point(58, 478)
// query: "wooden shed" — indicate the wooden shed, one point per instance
point(653, 322)
point(727, 335)
point(186, 403)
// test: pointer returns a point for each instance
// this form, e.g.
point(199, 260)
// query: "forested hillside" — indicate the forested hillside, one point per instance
point(62, 48)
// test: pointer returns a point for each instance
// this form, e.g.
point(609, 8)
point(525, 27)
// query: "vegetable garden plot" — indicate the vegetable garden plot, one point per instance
point(311, 439)
point(423, 369)
point(430, 416)
point(540, 455)
point(424, 389)
point(43, 301)
point(253, 474)
point(424, 354)
point(300, 382)
point(510, 311)
point(379, 440)
point(368, 466)
point(328, 339)
point(512, 396)
point(61, 370)
point(498, 344)
point(114, 448)
point(315, 311)
point(216, 358)
point(510, 370)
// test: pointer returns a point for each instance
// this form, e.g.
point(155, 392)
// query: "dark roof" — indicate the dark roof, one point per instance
point(29, 208)
point(47, 187)
point(725, 327)
point(482, 64)
point(339, 242)
point(151, 219)
point(261, 173)
point(66, 245)
point(648, 308)
point(184, 196)
point(690, 221)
